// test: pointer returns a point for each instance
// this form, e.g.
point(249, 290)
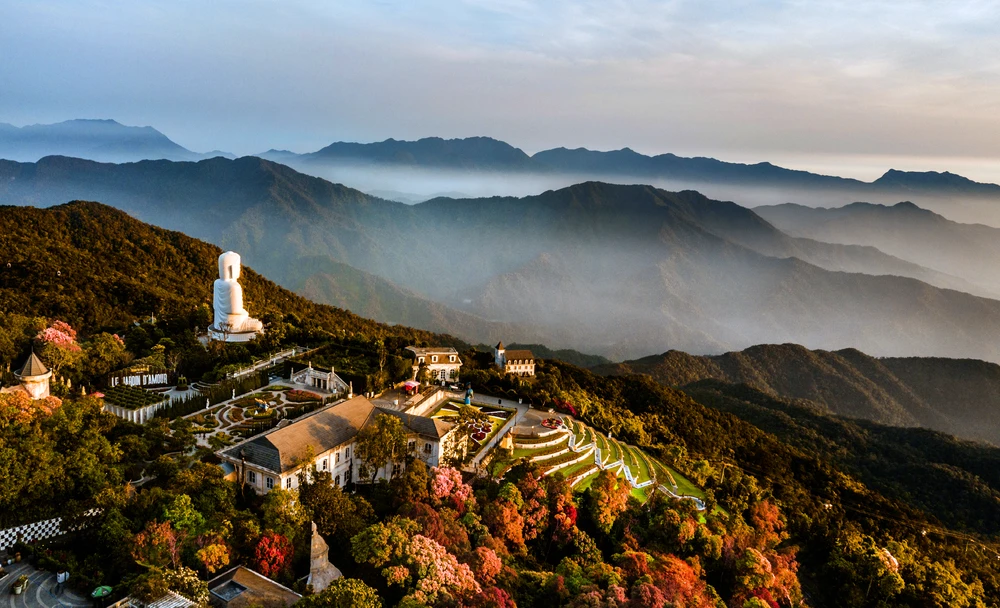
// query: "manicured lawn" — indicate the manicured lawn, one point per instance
point(642, 466)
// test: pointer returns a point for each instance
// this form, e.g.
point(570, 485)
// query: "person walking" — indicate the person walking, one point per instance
point(61, 577)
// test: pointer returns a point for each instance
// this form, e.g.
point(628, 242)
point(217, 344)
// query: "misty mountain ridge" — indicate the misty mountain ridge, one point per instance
point(413, 171)
point(960, 397)
point(94, 139)
point(620, 271)
point(903, 230)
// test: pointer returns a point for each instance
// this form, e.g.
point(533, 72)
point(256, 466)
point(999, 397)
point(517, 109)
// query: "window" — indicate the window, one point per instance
point(252, 477)
point(269, 482)
point(347, 453)
point(421, 360)
point(336, 480)
point(347, 476)
point(427, 448)
point(336, 458)
point(411, 445)
point(397, 469)
point(325, 461)
point(451, 358)
point(434, 358)
point(288, 483)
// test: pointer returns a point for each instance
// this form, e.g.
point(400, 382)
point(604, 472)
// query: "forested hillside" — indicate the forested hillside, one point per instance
point(956, 396)
point(96, 267)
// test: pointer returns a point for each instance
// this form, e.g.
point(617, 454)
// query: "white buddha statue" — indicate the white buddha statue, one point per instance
point(232, 322)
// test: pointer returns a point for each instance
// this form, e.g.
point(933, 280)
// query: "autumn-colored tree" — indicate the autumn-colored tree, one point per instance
point(158, 545)
point(412, 486)
point(213, 557)
point(505, 523)
point(608, 497)
point(273, 554)
point(534, 507)
point(485, 564)
point(441, 525)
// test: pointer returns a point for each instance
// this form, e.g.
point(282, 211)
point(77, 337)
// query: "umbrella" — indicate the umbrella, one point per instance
point(102, 591)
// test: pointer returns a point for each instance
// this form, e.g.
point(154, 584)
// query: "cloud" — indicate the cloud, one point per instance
point(693, 77)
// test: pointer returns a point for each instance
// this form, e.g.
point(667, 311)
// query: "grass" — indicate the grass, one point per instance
point(532, 440)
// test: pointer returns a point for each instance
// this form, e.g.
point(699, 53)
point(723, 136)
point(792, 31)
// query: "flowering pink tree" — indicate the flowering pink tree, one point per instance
point(58, 345)
point(413, 561)
point(437, 572)
point(447, 486)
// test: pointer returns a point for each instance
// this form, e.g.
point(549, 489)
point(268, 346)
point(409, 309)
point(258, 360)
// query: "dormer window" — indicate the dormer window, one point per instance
point(434, 358)
point(421, 360)
point(451, 358)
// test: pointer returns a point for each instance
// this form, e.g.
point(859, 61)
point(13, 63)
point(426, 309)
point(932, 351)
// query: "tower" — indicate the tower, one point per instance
point(498, 354)
point(34, 377)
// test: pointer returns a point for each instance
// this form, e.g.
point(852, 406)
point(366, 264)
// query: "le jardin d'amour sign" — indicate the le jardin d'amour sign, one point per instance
point(141, 377)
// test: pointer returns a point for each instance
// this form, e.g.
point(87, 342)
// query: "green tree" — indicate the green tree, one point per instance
point(381, 444)
point(284, 514)
point(343, 593)
point(184, 517)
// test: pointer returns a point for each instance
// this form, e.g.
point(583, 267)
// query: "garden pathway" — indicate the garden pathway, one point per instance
point(40, 593)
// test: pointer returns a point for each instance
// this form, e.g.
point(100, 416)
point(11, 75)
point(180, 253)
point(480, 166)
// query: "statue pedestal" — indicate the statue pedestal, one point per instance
point(233, 336)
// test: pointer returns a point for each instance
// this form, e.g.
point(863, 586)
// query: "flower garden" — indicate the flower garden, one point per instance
point(480, 432)
point(132, 397)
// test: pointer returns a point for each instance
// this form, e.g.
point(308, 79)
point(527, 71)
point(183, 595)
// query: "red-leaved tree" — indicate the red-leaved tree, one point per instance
point(273, 554)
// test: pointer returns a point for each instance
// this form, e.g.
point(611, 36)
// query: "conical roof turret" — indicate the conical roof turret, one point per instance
point(32, 367)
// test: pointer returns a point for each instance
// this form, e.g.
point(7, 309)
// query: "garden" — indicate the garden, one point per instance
point(481, 429)
point(132, 397)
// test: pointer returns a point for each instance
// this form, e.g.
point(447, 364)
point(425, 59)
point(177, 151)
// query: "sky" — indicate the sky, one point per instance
point(849, 88)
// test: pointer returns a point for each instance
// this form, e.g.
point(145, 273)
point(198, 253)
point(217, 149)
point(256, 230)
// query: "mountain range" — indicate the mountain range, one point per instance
point(960, 397)
point(619, 271)
point(413, 171)
point(102, 140)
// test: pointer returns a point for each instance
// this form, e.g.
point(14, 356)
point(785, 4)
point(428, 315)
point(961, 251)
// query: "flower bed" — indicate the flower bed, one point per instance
point(553, 423)
point(300, 396)
point(132, 397)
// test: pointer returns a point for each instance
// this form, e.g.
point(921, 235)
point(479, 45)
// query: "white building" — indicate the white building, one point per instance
point(274, 458)
point(320, 379)
point(34, 379)
point(516, 362)
point(443, 363)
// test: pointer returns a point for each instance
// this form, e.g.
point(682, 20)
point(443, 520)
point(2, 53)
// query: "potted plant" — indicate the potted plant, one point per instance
point(20, 584)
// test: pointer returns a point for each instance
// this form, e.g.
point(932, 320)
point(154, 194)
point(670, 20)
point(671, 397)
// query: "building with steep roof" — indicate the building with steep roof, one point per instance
point(443, 363)
point(33, 377)
point(326, 438)
point(518, 362)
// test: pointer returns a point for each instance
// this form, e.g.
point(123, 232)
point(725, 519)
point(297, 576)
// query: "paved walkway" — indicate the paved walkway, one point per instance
point(40, 593)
